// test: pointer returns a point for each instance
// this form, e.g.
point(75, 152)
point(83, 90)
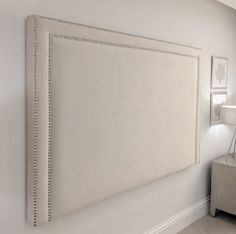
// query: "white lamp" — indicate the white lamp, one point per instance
point(228, 116)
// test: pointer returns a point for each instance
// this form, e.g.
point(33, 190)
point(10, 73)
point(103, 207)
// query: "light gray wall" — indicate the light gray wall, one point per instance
point(202, 23)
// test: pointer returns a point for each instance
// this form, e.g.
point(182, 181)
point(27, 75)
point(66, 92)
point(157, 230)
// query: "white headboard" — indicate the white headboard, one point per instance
point(106, 112)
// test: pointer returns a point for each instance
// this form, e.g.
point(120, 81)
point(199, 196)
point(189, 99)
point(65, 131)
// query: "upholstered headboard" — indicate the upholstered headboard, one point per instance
point(106, 112)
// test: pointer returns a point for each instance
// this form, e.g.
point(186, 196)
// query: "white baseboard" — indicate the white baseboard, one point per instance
point(182, 219)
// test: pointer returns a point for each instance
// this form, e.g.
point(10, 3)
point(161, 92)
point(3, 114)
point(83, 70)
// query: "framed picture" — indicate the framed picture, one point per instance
point(219, 73)
point(217, 100)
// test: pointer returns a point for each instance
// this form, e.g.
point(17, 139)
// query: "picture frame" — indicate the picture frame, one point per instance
point(219, 72)
point(217, 100)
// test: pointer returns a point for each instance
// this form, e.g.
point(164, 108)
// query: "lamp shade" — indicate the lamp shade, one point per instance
point(228, 114)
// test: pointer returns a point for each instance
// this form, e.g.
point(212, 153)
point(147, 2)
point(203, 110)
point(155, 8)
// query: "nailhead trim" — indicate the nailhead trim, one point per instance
point(35, 127)
point(119, 45)
point(49, 124)
point(109, 30)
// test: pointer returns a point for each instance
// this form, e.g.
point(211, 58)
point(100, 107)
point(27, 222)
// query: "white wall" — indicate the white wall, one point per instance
point(201, 23)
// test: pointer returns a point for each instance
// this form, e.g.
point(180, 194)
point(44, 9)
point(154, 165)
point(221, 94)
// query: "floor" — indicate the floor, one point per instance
point(223, 224)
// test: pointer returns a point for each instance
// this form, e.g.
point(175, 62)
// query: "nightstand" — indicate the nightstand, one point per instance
point(223, 185)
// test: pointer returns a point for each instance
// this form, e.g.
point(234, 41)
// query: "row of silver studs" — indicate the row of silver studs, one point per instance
point(35, 127)
point(49, 124)
point(119, 45)
point(109, 30)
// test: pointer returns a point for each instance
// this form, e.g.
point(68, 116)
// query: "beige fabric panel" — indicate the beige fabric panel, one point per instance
point(107, 112)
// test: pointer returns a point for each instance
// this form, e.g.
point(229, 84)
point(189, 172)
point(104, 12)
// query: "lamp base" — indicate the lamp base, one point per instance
point(233, 143)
